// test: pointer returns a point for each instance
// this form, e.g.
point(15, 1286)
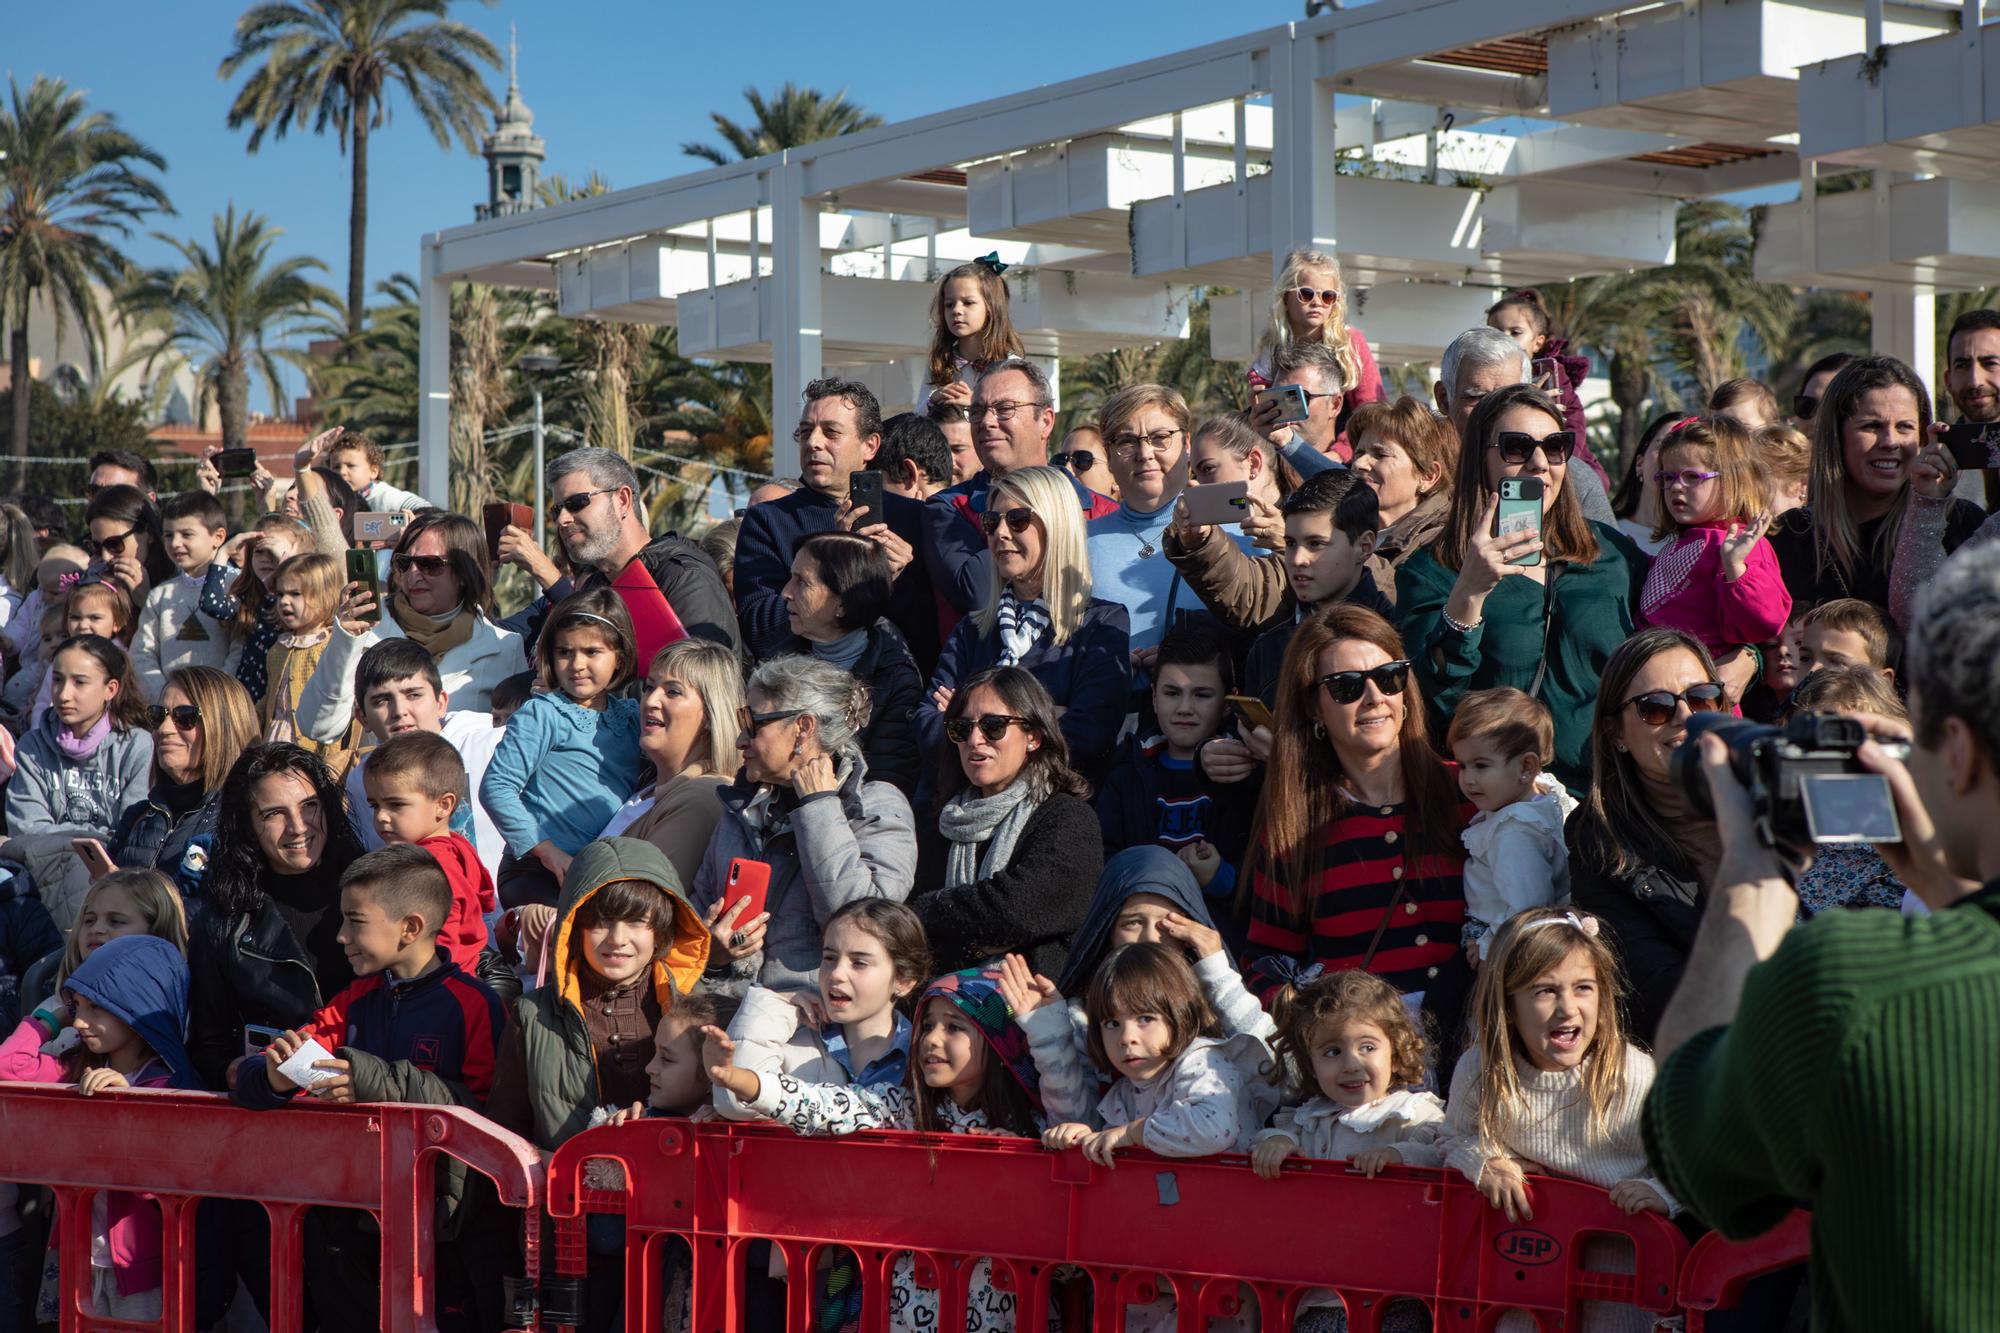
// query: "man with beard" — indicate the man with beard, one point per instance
point(1972, 378)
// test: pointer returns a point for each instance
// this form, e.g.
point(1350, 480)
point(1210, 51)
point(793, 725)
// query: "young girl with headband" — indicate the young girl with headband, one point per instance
point(970, 330)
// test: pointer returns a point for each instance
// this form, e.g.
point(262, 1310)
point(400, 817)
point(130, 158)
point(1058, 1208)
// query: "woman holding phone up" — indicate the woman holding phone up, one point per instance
point(1541, 609)
point(804, 809)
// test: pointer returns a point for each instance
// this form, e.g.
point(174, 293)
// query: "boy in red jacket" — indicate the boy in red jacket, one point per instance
point(414, 781)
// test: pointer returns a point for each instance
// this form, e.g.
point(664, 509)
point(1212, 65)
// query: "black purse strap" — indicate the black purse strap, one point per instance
point(1556, 568)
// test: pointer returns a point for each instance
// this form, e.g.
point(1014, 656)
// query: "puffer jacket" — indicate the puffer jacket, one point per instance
point(547, 1086)
point(824, 852)
point(150, 837)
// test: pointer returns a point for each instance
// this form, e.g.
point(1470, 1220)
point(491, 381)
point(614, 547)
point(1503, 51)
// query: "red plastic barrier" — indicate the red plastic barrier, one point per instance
point(1201, 1226)
point(1716, 1269)
point(181, 1147)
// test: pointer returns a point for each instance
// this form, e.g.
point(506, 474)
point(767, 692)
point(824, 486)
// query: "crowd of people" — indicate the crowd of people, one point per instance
point(1295, 782)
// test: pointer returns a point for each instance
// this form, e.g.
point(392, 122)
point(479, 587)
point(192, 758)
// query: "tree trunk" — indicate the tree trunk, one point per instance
point(357, 224)
point(17, 364)
point(232, 400)
point(1628, 390)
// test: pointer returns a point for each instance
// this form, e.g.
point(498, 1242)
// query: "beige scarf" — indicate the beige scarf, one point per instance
point(438, 634)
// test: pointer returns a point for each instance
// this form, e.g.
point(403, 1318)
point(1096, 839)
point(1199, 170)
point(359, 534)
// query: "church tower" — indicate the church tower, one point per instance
point(513, 152)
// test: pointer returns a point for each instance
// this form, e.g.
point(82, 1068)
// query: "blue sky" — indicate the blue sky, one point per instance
point(615, 85)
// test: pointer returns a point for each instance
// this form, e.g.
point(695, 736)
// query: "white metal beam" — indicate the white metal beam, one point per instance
point(795, 360)
point(433, 376)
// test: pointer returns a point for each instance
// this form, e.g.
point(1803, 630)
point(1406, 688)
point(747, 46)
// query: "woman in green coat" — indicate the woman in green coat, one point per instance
point(1474, 617)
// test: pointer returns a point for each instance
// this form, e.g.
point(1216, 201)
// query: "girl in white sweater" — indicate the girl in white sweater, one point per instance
point(1551, 1085)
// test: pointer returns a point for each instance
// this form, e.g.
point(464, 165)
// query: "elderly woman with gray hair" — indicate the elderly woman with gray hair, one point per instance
point(803, 805)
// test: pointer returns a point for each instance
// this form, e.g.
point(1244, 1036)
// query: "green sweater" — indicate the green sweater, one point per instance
point(1591, 616)
point(1860, 1079)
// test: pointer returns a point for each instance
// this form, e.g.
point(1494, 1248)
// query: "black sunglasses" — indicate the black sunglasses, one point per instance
point(1804, 405)
point(1344, 687)
point(114, 545)
point(430, 566)
point(185, 716)
point(576, 504)
point(1517, 446)
point(1082, 460)
point(1016, 519)
point(1656, 707)
point(750, 723)
point(958, 730)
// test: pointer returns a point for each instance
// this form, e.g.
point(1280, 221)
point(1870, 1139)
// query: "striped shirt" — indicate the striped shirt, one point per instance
point(1362, 858)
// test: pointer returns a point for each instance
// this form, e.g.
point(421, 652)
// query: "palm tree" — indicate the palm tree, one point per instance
point(71, 179)
point(225, 312)
point(333, 62)
point(795, 116)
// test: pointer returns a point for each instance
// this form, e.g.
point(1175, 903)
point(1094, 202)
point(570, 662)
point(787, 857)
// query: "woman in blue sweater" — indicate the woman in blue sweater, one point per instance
point(1039, 615)
point(579, 742)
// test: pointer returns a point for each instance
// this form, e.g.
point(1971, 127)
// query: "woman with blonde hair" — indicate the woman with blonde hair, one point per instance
point(203, 719)
point(1308, 305)
point(688, 707)
point(1039, 614)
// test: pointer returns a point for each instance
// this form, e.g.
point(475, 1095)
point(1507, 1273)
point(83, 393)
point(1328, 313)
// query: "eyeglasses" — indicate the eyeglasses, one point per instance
point(1080, 460)
point(1804, 405)
point(1517, 446)
point(430, 566)
point(1344, 687)
point(1657, 707)
point(1004, 410)
point(1017, 520)
point(576, 504)
point(1328, 295)
point(1128, 446)
point(114, 545)
point(750, 723)
point(1687, 477)
point(992, 726)
point(186, 716)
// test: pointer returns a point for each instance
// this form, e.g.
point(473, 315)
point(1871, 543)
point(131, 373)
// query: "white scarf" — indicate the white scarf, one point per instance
point(1021, 626)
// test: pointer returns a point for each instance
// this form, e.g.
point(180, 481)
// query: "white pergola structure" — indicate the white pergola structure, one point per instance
point(1442, 149)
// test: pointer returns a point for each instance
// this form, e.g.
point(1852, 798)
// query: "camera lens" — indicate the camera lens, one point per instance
point(1739, 734)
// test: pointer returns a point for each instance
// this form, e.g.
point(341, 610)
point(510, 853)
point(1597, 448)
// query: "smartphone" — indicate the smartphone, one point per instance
point(1974, 444)
point(501, 515)
point(1218, 502)
point(256, 1037)
point(1520, 511)
point(1293, 399)
point(380, 529)
point(96, 861)
point(864, 495)
point(748, 882)
point(236, 462)
point(361, 569)
point(1251, 709)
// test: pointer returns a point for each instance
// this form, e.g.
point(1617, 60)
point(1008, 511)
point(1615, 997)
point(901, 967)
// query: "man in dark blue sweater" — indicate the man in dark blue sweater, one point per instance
point(838, 434)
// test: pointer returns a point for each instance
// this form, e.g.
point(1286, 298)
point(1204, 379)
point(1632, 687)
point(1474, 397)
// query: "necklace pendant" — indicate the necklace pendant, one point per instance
point(1148, 551)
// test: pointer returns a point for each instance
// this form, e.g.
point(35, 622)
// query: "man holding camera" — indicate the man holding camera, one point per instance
point(1850, 1065)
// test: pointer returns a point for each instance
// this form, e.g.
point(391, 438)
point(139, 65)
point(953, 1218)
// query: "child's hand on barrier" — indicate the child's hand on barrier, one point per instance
point(1505, 1186)
point(339, 1088)
point(98, 1079)
point(1057, 1138)
point(1201, 941)
point(1022, 989)
point(1099, 1146)
point(1374, 1160)
point(282, 1048)
point(1270, 1154)
point(1637, 1196)
point(627, 1114)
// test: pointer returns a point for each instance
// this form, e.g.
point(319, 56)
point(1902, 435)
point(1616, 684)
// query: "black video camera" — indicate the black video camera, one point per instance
point(1806, 786)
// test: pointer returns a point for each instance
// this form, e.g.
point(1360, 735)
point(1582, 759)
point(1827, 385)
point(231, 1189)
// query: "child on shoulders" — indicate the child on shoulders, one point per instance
point(174, 631)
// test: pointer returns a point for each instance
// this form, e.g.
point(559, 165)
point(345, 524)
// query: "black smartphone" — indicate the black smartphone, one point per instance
point(1974, 444)
point(236, 462)
point(361, 569)
point(864, 494)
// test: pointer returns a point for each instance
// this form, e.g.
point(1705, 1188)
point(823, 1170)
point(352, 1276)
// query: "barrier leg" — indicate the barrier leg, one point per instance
point(288, 1290)
point(177, 1261)
point(73, 1226)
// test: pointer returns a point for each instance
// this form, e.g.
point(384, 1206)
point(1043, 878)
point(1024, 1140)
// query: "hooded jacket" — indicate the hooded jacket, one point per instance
point(53, 793)
point(835, 847)
point(143, 981)
point(548, 1084)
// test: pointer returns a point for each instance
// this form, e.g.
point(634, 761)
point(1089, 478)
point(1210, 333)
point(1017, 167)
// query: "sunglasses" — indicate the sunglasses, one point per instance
point(185, 716)
point(1657, 707)
point(1330, 295)
point(576, 504)
point(750, 723)
point(1082, 460)
point(992, 726)
point(1687, 477)
point(1517, 446)
point(1804, 405)
point(1344, 687)
point(113, 545)
point(430, 566)
point(1017, 520)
